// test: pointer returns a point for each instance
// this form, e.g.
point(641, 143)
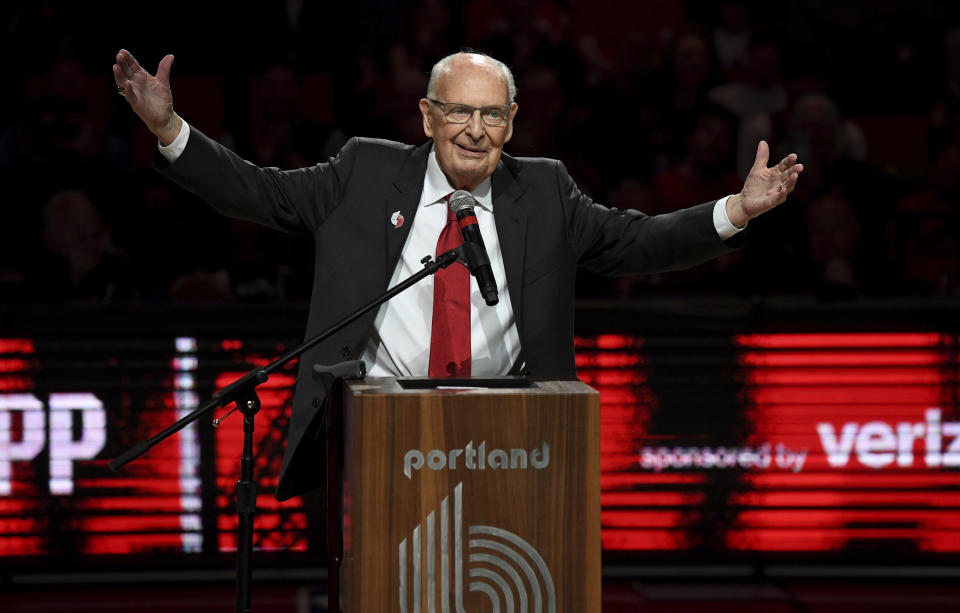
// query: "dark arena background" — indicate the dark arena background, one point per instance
point(780, 428)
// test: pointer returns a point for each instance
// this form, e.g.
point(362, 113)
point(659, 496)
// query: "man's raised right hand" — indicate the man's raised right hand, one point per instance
point(149, 96)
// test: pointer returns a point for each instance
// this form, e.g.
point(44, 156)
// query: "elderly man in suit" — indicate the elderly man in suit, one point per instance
point(378, 207)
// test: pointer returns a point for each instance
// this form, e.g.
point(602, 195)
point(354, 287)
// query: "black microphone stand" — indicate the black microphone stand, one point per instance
point(243, 392)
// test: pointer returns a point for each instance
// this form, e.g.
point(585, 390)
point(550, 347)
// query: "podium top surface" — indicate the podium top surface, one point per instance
point(377, 386)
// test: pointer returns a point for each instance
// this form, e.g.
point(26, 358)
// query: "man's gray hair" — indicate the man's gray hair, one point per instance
point(442, 68)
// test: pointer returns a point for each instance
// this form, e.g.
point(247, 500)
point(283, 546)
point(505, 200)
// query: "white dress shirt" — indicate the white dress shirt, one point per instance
point(398, 343)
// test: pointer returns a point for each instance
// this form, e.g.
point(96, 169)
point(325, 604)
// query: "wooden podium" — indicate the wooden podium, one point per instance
point(467, 500)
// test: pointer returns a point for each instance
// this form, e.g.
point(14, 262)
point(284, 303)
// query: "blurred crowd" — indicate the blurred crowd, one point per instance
point(651, 105)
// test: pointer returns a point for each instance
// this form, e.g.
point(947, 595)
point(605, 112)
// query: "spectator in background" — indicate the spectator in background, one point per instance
point(850, 206)
point(927, 221)
point(263, 266)
point(403, 76)
point(816, 126)
point(731, 39)
point(833, 231)
point(58, 127)
point(708, 165)
point(280, 134)
point(430, 31)
point(945, 111)
point(55, 144)
point(542, 91)
point(927, 229)
point(758, 99)
point(622, 103)
point(678, 97)
point(80, 262)
point(537, 39)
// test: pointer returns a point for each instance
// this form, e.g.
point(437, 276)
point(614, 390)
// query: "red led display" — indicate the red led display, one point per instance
point(58, 496)
point(755, 443)
point(843, 442)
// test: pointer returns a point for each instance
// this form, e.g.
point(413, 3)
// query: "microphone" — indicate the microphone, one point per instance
point(462, 204)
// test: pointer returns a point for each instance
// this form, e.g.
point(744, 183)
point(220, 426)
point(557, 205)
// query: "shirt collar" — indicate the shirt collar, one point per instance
point(436, 186)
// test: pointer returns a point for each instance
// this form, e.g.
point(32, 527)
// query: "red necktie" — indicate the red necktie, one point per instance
point(450, 339)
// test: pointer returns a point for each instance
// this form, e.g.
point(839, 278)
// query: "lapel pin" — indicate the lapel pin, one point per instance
point(397, 220)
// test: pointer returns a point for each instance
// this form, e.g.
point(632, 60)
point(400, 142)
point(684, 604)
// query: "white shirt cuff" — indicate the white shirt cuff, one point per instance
point(174, 149)
point(721, 222)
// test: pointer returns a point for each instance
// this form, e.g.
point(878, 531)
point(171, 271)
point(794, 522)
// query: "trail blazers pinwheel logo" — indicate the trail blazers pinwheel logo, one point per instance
point(500, 564)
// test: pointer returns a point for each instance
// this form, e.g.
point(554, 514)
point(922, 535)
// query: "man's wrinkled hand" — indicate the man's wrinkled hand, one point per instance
point(764, 188)
point(149, 96)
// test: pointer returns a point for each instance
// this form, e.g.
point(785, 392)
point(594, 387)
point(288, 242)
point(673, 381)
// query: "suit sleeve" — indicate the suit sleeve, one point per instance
point(613, 242)
point(289, 200)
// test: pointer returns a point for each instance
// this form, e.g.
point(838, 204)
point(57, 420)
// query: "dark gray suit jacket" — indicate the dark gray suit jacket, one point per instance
point(545, 224)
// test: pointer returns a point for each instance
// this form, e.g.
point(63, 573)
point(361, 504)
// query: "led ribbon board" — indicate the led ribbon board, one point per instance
point(753, 443)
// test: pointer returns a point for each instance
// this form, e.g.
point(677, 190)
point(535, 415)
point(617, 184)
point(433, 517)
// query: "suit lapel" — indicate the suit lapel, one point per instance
point(404, 201)
point(511, 222)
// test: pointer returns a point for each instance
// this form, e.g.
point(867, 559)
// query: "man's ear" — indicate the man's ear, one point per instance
point(513, 113)
point(427, 117)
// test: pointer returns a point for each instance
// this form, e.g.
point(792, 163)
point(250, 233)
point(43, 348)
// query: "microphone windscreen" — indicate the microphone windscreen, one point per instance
point(460, 200)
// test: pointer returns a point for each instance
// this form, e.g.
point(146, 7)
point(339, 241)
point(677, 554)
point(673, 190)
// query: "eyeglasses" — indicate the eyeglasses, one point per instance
point(494, 115)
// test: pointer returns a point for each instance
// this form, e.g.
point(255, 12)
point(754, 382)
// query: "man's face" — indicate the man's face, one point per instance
point(468, 152)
